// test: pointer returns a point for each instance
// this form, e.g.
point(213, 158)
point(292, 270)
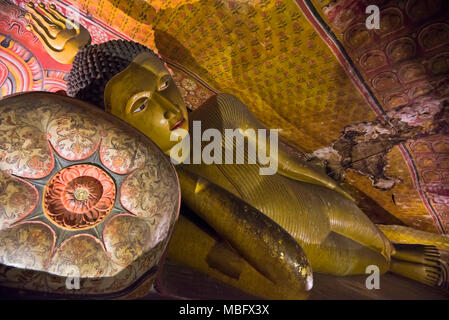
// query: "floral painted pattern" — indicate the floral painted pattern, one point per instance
point(79, 196)
point(17, 199)
point(27, 245)
point(63, 216)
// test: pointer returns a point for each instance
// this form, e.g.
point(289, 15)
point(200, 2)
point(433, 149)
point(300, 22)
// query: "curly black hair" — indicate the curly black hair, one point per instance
point(95, 65)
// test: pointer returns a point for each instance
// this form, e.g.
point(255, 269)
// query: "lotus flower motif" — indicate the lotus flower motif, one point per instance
point(79, 197)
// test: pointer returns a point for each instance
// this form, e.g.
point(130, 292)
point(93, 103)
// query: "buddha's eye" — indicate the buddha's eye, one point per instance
point(163, 85)
point(139, 106)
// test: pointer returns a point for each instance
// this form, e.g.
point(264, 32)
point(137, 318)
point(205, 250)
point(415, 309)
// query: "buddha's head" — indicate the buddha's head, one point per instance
point(145, 96)
point(137, 88)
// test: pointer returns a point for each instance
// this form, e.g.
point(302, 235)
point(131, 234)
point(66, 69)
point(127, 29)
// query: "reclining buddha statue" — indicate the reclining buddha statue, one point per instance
point(263, 234)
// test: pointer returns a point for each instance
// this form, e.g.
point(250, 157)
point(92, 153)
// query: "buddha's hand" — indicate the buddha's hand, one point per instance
point(61, 36)
point(271, 250)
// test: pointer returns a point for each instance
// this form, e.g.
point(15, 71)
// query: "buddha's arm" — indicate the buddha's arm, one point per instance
point(61, 37)
point(259, 240)
point(226, 111)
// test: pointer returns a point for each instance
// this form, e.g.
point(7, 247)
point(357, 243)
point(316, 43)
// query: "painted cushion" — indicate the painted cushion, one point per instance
point(83, 195)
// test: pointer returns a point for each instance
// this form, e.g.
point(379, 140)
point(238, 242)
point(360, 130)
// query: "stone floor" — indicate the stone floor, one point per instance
point(188, 284)
point(182, 283)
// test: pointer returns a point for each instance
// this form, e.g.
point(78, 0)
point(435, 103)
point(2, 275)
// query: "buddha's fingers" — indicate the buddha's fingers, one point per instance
point(263, 243)
point(56, 13)
point(40, 34)
point(68, 22)
point(34, 15)
point(50, 16)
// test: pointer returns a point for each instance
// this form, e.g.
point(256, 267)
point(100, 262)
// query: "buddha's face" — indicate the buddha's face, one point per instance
point(145, 96)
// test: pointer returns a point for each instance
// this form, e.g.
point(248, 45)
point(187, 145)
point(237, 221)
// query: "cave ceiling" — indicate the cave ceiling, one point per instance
point(368, 106)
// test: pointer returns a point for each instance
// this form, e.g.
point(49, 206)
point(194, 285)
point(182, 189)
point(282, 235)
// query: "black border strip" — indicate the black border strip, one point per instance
point(418, 181)
point(337, 42)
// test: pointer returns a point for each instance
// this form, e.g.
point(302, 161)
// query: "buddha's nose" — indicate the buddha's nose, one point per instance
point(169, 115)
point(171, 109)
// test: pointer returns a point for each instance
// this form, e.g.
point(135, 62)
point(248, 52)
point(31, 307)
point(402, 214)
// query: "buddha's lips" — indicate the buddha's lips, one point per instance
point(178, 124)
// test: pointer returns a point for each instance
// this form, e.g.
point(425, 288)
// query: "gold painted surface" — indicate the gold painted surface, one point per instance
point(336, 236)
point(268, 54)
point(144, 96)
point(270, 57)
point(63, 43)
point(401, 234)
point(338, 214)
point(201, 245)
point(255, 50)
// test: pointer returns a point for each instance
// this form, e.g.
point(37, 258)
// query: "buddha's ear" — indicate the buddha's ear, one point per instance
point(118, 90)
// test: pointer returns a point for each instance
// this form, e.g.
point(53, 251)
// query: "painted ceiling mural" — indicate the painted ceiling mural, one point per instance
point(368, 106)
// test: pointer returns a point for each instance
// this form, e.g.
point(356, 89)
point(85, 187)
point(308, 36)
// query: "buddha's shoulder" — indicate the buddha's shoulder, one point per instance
point(229, 100)
point(232, 105)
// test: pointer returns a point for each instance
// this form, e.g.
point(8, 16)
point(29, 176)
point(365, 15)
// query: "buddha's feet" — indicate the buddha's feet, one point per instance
point(424, 263)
